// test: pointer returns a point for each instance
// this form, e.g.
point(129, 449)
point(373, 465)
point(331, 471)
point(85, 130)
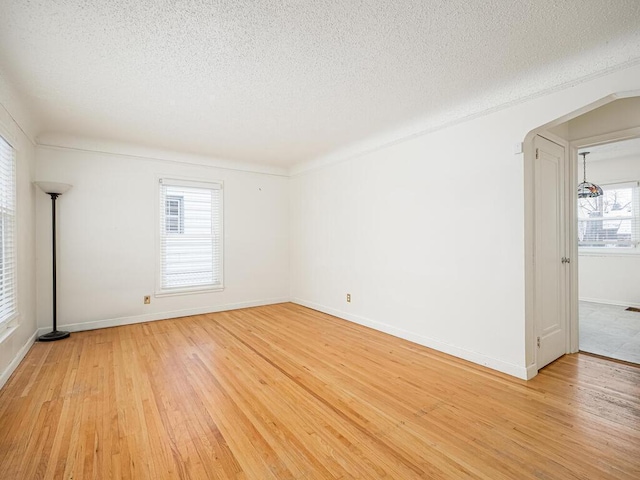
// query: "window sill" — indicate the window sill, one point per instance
point(608, 253)
point(7, 332)
point(189, 291)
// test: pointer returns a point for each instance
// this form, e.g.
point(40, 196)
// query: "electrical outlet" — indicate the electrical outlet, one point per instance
point(147, 299)
point(348, 298)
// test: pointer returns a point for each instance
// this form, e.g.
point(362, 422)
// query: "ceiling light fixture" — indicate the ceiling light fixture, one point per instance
point(587, 189)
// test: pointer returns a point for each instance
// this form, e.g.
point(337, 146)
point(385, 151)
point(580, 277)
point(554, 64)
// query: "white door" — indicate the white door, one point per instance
point(551, 272)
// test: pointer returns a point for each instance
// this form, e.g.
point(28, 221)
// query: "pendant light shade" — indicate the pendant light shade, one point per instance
point(587, 189)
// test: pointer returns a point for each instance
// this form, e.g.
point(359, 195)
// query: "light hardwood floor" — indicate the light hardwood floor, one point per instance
point(283, 392)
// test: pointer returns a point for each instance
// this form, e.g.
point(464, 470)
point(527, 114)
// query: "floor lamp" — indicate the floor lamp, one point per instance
point(54, 190)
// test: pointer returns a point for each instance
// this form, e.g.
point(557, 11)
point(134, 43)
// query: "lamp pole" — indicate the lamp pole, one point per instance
point(54, 190)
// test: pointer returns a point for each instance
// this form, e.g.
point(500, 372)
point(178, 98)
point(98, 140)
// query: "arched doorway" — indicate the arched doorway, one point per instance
point(552, 261)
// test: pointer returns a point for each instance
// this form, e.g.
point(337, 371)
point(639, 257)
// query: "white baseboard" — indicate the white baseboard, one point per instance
point(17, 359)
point(116, 322)
point(478, 358)
point(619, 303)
point(532, 371)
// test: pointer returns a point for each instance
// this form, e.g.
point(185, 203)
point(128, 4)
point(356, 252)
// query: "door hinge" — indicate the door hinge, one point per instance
point(538, 342)
point(566, 260)
point(537, 153)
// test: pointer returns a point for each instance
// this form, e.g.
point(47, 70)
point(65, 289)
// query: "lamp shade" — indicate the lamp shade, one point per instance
point(589, 190)
point(53, 187)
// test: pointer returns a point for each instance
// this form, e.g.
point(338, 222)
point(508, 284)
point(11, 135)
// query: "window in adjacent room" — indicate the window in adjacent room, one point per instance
point(610, 222)
point(174, 214)
point(190, 236)
point(8, 293)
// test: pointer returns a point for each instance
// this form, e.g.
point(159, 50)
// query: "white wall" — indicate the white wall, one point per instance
point(14, 345)
point(106, 235)
point(610, 277)
point(428, 233)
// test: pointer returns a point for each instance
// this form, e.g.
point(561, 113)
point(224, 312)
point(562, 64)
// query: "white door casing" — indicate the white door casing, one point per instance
point(551, 272)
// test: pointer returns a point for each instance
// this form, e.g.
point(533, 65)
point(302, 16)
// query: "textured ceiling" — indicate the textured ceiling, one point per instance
point(282, 81)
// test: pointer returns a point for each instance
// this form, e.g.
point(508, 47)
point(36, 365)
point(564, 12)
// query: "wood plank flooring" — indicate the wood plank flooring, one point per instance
point(284, 392)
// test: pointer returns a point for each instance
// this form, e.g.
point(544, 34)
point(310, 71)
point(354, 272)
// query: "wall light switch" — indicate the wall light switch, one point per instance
point(517, 148)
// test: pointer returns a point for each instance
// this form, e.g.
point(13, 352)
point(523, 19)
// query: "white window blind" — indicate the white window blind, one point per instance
point(190, 236)
point(611, 220)
point(8, 294)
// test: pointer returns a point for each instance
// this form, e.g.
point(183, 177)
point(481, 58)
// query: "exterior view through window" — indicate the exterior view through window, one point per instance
point(611, 220)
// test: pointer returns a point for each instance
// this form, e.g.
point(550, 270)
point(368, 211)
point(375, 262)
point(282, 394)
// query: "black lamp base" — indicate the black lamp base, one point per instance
point(52, 336)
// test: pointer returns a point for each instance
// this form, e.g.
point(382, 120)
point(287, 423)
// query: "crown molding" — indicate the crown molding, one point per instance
point(461, 114)
point(110, 147)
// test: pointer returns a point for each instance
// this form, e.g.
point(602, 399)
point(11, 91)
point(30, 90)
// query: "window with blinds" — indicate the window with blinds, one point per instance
point(190, 236)
point(8, 293)
point(610, 221)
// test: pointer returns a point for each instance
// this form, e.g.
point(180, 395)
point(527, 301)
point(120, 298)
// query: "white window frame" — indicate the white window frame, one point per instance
point(634, 249)
point(161, 225)
point(8, 210)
